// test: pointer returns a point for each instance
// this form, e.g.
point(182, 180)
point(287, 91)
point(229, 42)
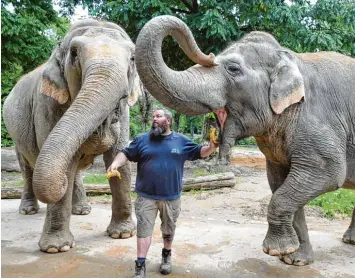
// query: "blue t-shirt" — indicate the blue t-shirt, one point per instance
point(161, 164)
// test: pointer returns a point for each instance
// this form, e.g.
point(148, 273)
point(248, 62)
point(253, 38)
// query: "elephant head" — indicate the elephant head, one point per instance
point(90, 74)
point(248, 85)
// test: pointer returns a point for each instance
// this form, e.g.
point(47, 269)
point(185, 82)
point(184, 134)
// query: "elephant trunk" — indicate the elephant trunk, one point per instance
point(97, 98)
point(193, 91)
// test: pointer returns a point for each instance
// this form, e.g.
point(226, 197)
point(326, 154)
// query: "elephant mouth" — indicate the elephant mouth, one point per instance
point(221, 117)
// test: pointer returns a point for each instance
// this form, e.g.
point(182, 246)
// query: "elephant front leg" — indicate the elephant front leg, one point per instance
point(304, 255)
point(300, 186)
point(29, 203)
point(122, 224)
point(56, 235)
point(80, 205)
point(349, 235)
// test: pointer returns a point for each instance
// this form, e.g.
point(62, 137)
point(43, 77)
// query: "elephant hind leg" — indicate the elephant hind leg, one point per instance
point(80, 205)
point(349, 235)
point(29, 203)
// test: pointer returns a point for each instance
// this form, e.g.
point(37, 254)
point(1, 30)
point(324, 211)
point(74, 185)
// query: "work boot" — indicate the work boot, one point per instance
point(140, 270)
point(166, 266)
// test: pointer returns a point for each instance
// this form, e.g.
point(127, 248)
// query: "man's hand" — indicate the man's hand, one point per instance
point(214, 136)
point(113, 173)
point(118, 162)
point(208, 149)
point(213, 144)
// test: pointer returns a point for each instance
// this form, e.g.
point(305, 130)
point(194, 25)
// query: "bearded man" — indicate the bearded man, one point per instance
point(160, 155)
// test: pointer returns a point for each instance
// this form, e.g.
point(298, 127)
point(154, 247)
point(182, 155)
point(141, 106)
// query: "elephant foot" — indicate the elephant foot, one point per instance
point(28, 206)
point(277, 245)
point(82, 209)
point(58, 241)
point(349, 236)
point(303, 256)
point(123, 229)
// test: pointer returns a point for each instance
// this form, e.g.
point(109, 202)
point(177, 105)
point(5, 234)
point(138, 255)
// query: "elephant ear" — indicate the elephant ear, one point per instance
point(53, 82)
point(287, 86)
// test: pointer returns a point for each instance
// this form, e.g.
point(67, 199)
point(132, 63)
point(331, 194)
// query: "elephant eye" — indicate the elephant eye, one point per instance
point(132, 58)
point(234, 69)
point(73, 55)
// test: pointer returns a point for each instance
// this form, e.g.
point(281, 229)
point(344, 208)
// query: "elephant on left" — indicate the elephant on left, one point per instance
point(65, 113)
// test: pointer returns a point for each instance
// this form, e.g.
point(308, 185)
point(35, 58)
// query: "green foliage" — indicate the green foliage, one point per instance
point(135, 127)
point(246, 141)
point(29, 30)
point(95, 179)
point(12, 183)
point(341, 201)
point(200, 172)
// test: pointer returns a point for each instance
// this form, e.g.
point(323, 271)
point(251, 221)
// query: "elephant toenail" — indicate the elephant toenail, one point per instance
point(115, 235)
point(133, 233)
point(300, 263)
point(287, 260)
point(290, 250)
point(266, 250)
point(52, 250)
point(65, 248)
point(125, 235)
point(274, 252)
point(73, 244)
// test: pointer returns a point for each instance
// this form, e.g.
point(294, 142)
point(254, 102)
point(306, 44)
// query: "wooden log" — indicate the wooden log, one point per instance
point(11, 192)
point(202, 182)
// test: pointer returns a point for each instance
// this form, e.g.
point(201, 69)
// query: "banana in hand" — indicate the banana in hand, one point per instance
point(213, 135)
point(113, 173)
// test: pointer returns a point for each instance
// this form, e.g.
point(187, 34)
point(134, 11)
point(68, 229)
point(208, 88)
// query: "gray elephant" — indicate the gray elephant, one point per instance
point(63, 114)
point(299, 107)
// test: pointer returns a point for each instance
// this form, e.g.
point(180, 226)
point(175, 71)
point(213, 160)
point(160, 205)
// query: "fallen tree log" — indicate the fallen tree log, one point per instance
point(214, 181)
point(11, 192)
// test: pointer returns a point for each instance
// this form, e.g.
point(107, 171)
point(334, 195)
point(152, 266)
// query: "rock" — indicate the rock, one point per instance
point(9, 160)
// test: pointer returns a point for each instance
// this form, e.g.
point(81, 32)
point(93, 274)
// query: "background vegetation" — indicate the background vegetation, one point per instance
point(30, 29)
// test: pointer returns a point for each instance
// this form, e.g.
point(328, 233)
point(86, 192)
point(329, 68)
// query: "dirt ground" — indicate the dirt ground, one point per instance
point(219, 234)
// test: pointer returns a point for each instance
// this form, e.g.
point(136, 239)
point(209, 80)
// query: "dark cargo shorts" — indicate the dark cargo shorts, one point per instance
point(146, 213)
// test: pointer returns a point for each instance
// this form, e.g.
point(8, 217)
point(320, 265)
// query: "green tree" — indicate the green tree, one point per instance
point(29, 30)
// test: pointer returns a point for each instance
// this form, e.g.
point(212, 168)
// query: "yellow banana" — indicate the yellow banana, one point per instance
point(113, 173)
point(213, 135)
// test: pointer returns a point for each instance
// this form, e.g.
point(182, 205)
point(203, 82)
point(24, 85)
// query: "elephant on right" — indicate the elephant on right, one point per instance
point(300, 107)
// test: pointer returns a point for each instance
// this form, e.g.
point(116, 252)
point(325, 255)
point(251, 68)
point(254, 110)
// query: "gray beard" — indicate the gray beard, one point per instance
point(156, 132)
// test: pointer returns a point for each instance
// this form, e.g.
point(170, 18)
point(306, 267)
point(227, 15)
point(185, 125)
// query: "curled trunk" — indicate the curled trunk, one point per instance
point(193, 91)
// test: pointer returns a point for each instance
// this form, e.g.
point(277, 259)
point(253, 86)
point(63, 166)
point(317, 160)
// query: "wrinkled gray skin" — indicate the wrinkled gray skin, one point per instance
point(66, 112)
point(299, 107)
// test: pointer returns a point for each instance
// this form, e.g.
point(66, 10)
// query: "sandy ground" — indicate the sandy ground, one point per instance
point(219, 234)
